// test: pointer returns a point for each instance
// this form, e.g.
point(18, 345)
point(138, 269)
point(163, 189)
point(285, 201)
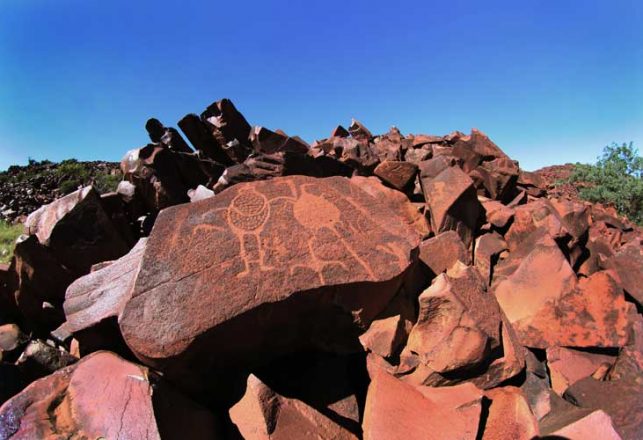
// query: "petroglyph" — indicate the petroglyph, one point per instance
point(261, 242)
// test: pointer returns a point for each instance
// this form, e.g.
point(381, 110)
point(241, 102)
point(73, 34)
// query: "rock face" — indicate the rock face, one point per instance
point(395, 410)
point(263, 414)
point(458, 328)
point(267, 262)
point(101, 397)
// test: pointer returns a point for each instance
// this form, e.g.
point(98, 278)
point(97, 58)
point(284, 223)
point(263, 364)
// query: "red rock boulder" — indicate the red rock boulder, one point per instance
point(102, 396)
point(273, 265)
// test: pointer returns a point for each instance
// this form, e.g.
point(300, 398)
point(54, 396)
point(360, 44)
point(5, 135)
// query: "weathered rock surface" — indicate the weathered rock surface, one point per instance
point(396, 410)
point(102, 396)
point(460, 334)
point(263, 414)
point(295, 257)
point(509, 416)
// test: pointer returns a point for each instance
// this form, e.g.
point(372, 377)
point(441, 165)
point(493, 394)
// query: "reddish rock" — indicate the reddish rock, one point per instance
point(595, 425)
point(453, 202)
point(521, 298)
point(398, 174)
point(487, 249)
point(263, 414)
point(77, 231)
point(627, 264)
point(509, 416)
point(441, 252)
point(531, 217)
point(568, 366)
point(11, 338)
point(389, 331)
point(418, 155)
point(475, 148)
point(496, 213)
point(359, 132)
point(102, 396)
point(395, 410)
point(274, 265)
point(459, 335)
point(594, 314)
point(621, 399)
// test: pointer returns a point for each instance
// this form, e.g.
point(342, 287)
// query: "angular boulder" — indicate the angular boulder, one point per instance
point(273, 265)
point(567, 366)
point(396, 410)
point(102, 396)
point(461, 334)
point(263, 414)
point(77, 230)
point(453, 202)
point(94, 302)
point(509, 416)
point(396, 173)
point(441, 252)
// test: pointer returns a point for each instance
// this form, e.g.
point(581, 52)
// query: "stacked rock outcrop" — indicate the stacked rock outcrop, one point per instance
point(246, 284)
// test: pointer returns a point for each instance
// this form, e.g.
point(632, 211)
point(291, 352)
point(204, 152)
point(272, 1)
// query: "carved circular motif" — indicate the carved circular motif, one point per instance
point(248, 211)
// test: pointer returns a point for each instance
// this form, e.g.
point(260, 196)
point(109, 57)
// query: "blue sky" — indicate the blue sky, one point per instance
point(549, 81)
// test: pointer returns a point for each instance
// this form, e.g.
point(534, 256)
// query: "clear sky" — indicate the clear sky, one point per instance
point(549, 81)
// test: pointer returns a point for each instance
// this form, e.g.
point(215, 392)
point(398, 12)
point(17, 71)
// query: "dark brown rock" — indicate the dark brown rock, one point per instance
point(487, 249)
point(622, 400)
point(77, 231)
point(202, 139)
point(269, 142)
point(168, 136)
point(229, 128)
point(398, 174)
point(322, 251)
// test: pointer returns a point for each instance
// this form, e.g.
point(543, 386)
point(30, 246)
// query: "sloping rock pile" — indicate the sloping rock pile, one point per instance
point(246, 284)
point(24, 189)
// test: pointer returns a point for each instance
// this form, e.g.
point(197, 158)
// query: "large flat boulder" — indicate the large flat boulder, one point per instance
point(271, 265)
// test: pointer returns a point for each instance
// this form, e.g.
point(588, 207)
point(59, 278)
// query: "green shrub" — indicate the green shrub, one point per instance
point(8, 235)
point(615, 178)
point(104, 183)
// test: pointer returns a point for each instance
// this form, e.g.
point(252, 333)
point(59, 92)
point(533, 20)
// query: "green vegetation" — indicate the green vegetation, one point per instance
point(72, 174)
point(616, 178)
point(8, 235)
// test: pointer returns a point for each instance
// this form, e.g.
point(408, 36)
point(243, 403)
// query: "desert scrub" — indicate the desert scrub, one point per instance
point(8, 235)
point(616, 178)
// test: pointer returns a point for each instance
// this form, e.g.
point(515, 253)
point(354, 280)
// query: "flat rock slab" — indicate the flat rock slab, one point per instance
point(269, 265)
point(102, 294)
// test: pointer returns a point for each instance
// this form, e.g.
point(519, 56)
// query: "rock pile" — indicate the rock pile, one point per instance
point(245, 284)
point(24, 189)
